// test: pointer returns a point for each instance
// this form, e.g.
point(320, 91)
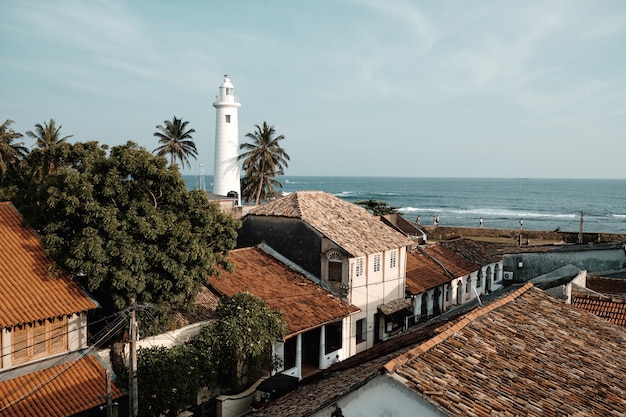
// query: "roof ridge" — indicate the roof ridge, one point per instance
point(447, 331)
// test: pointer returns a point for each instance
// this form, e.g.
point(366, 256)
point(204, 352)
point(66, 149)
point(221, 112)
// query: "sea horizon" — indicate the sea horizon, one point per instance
point(541, 203)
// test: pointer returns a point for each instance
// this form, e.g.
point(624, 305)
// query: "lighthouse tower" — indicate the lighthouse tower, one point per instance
point(226, 178)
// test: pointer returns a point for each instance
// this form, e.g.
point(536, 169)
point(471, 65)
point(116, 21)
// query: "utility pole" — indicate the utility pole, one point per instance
point(580, 234)
point(109, 399)
point(132, 363)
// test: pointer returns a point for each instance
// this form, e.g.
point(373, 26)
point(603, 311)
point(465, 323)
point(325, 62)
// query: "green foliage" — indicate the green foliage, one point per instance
point(240, 339)
point(127, 222)
point(176, 141)
point(11, 153)
point(263, 160)
point(169, 378)
point(376, 207)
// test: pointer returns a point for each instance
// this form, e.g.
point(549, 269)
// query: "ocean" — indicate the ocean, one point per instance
point(542, 204)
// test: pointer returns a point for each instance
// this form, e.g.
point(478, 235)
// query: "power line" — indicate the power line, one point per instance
point(68, 364)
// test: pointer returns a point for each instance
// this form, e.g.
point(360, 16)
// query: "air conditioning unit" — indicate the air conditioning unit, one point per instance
point(508, 276)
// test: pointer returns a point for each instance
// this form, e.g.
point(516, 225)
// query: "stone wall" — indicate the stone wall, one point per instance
point(515, 235)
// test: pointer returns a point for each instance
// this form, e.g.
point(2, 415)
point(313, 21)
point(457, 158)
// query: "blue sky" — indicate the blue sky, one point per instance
point(365, 88)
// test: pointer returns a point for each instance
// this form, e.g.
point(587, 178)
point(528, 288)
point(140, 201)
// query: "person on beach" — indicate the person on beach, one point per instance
point(417, 220)
point(481, 223)
point(436, 221)
point(521, 224)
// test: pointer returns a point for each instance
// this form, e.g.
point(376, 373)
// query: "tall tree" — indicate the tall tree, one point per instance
point(126, 222)
point(11, 153)
point(176, 141)
point(263, 160)
point(47, 138)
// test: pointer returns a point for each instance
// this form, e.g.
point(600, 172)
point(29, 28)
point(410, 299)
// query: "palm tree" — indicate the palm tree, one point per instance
point(47, 138)
point(11, 154)
point(176, 141)
point(263, 160)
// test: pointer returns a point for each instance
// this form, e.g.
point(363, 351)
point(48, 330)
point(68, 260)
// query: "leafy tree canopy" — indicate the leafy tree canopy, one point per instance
point(240, 339)
point(126, 222)
point(376, 207)
point(170, 378)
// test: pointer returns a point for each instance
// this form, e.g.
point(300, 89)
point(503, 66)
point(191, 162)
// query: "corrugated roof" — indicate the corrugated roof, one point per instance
point(306, 305)
point(59, 391)
point(527, 354)
point(27, 293)
point(348, 225)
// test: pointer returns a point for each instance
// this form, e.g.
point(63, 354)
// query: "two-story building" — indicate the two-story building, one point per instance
point(46, 366)
point(346, 248)
point(318, 322)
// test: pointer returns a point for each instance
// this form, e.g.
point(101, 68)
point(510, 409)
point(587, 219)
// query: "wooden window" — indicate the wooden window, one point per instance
point(38, 339)
point(333, 337)
point(19, 347)
point(335, 266)
point(361, 331)
point(58, 335)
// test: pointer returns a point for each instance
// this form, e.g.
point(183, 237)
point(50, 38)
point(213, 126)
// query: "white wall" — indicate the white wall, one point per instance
point(383, 396)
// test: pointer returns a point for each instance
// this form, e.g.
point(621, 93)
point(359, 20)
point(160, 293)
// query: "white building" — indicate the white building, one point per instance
point(226, 178)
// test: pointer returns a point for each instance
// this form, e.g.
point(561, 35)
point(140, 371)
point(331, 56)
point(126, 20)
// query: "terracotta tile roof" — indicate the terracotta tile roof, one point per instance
point(306, 305)
point(451, 260)
point(206, 303)
point(527, 354)
point(607, 286)
point(27, 293)
point(479, 252)
point(62, 390)
point(610, 309)
point(327, 387)
point(347, 224)
point(423, 273)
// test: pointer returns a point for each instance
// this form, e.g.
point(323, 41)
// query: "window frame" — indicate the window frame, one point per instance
point(361, 330)
point(377, 262)
point(359, 269)
point(393, 259)
point(39, 339)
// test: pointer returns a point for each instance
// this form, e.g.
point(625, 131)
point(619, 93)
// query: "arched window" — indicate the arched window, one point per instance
point(335, 266)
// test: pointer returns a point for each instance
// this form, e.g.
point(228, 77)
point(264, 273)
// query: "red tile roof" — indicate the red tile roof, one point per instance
point(59, 391)
point(306, 305)
point(423, 273)
point(458, 265)
point(610, 309)
point(526, 354)
point(27, 292)
point(348, 225)
point(607, 286)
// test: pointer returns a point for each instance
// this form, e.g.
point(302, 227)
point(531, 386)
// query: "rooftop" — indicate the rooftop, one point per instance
point(348, 225)
point(306, 305)
point(30, 290)
point(59, 391)
point(527, 354)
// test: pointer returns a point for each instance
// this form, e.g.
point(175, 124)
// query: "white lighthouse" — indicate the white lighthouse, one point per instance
point(226, 178)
